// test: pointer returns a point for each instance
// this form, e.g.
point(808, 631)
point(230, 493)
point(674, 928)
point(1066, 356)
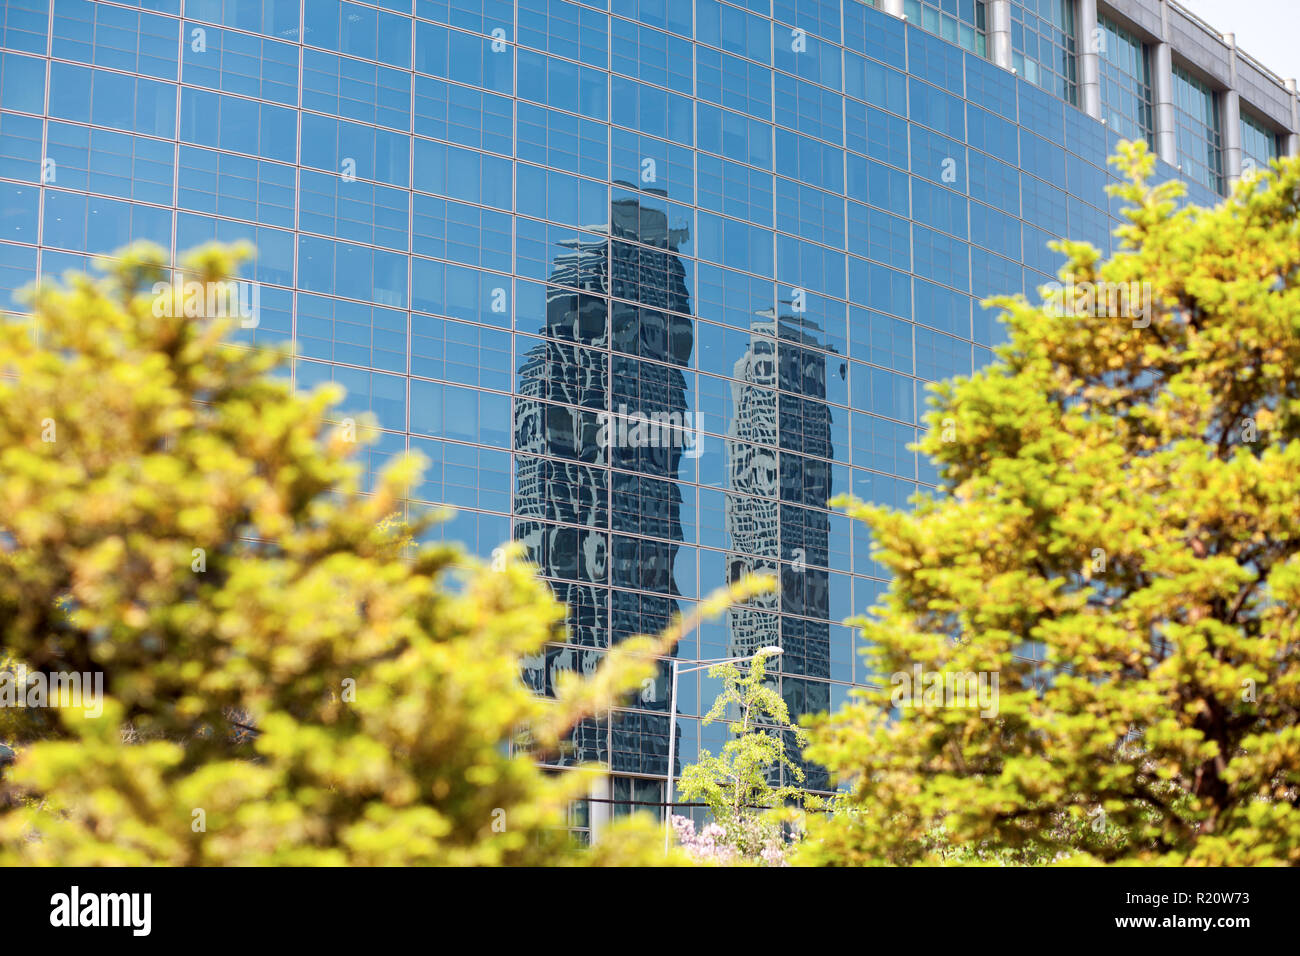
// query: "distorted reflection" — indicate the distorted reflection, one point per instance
point(603, 434)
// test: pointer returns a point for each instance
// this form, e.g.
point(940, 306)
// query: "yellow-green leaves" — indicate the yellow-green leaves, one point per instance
point(289, 679)
point(1115, 537)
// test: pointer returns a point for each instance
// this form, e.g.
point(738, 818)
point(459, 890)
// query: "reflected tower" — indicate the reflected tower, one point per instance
point(601, 517)
point(779, 510)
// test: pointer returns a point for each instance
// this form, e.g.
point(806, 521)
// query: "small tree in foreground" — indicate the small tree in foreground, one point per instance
point(287, 679)
point(1116, 537)
point(737, 783)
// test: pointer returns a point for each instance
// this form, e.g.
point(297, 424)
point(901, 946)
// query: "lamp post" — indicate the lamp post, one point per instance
point(770, 651)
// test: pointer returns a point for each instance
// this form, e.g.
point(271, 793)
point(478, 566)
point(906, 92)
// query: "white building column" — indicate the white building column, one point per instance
point(999, 28)
point(1231, 118)
point(894, 7)
point(1162, 83)
point(1088, 42)
point(1231, 136)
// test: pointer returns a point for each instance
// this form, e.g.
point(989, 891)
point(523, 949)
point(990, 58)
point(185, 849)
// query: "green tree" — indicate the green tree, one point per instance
point(289, 679)
point(1114, 537)
point(737, 783)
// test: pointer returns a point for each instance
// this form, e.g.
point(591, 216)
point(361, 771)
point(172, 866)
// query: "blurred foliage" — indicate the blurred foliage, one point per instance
point(290, 680)
point(1120, 492)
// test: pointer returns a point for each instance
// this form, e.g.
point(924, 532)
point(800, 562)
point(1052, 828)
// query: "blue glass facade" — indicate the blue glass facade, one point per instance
point(1044, 45)
point(510, 228)
point(1200, 129)
point(1125, 74)
point(1258, 143)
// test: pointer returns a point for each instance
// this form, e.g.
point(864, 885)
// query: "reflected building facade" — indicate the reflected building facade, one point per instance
point(582, 478)
point(778, 462)
point(526, 234)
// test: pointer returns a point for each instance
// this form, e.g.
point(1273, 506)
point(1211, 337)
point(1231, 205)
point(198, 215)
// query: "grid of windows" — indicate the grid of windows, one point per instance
point(1125, 74)
point(647, 281)
point(958, 21)
point(1259, 144)
point(1043, 45)
point(1197, 130)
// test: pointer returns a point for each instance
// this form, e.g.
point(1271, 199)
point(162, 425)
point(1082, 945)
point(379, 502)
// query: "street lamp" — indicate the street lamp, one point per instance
point(770, 651)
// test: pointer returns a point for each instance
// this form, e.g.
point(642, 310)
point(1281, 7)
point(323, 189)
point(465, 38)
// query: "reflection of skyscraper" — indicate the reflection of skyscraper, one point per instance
point(777, 508)
point(751, 521)
point(806, 487)
point(560, 500)
point(648, 321)
point(593, 511)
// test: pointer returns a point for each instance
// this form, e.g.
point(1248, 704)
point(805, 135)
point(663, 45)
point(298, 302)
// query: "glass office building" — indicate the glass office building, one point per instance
point(646, 281)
